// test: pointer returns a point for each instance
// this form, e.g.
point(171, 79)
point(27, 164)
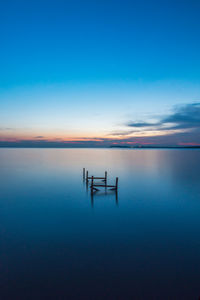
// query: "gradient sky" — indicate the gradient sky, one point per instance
point(100, 72)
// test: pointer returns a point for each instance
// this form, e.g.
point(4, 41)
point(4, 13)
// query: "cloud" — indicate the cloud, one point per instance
point(183, 117)
point(142, 124)
point(6, 128)
point(181, 127)
point(177, 139)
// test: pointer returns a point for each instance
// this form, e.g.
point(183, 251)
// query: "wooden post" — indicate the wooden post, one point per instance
point(86, 183)
point(116, 183)
point(84, 173)
point(106, 177)
point(87, 176)
point(92, 183)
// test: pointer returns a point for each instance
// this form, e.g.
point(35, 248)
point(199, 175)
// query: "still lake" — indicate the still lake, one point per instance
point(58, 242)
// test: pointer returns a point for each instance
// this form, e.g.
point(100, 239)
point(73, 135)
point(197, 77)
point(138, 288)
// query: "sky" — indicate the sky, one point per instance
point(99, 73)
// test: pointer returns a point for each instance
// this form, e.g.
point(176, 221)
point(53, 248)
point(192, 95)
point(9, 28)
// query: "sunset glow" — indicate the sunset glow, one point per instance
point(106, 86)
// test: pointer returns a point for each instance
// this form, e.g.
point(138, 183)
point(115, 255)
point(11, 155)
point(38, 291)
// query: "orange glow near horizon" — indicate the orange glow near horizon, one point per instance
point(53, 136)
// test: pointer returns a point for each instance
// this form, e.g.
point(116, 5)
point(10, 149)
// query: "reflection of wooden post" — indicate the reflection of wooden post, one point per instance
point(92, 200)
point(84, 173)
point(87, 176)
point(116, 183)
point(92, 183)
point(116, 197)
point(105, 178)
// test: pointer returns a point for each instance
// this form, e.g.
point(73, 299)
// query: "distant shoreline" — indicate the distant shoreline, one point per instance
point(156, 147)
point(90, 147)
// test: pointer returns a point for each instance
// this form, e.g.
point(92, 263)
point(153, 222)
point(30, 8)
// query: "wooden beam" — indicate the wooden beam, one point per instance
point(92, 182)
point(96, 177)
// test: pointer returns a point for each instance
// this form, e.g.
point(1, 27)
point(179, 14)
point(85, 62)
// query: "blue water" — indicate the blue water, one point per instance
point(58, 242)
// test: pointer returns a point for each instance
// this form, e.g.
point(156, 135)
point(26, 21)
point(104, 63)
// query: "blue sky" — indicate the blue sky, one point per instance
point(85, 70)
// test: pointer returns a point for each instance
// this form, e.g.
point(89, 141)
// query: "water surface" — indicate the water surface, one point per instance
point(58, 242)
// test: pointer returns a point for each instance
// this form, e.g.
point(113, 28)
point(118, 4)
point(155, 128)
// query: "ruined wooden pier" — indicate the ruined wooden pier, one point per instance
point(95, 177)
point(94, 186)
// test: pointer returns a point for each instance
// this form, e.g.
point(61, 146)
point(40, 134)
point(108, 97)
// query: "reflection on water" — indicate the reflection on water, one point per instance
point(59, 241)
point(96, 195)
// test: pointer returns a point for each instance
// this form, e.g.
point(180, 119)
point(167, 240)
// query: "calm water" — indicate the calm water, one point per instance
point(58, 243)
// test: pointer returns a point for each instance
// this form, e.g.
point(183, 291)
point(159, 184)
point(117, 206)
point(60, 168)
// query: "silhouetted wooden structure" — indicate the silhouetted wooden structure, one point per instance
point(95, 177)
point(83, 173)
point(94, 186)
